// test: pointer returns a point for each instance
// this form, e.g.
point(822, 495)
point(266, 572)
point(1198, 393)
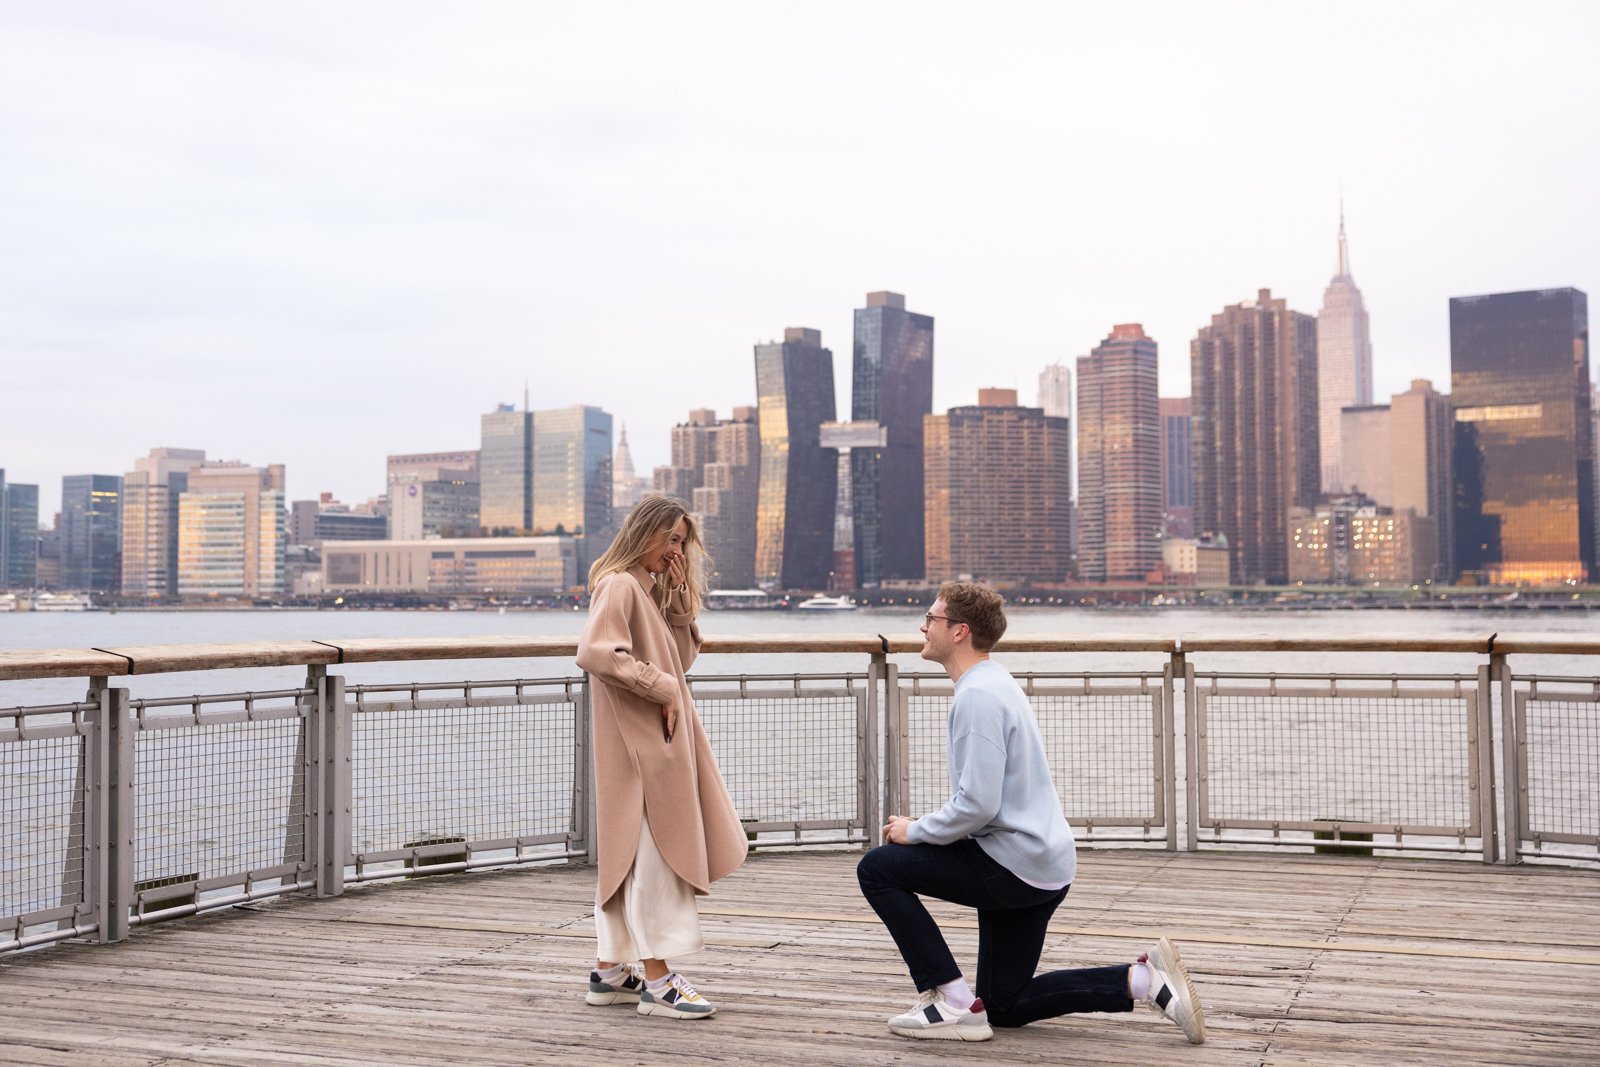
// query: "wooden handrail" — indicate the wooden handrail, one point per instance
point(126, 660)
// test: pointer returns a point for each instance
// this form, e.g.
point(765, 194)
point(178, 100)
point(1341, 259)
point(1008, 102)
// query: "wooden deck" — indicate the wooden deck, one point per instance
point(1299, 960)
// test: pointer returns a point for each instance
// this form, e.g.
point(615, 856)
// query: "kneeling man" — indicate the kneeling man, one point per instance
point(1001, 845)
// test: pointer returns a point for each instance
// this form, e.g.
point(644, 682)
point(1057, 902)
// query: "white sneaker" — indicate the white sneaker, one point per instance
point(1172, 993)
point(678, 1001)
point(934, 1017)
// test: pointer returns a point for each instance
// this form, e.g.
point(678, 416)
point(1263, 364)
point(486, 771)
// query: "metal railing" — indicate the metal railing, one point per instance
point(119, 811)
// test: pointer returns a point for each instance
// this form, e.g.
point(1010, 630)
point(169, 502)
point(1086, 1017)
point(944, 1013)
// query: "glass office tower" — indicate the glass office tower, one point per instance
point(795, 501)
point(892, 385)
point(505, 471)
point(1519, 384)
point(91, 532)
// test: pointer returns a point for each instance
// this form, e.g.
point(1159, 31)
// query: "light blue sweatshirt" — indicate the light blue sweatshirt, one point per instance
point(1000, 783)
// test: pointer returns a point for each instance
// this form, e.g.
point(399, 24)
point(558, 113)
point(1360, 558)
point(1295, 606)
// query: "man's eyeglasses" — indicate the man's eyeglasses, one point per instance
point(930, 616)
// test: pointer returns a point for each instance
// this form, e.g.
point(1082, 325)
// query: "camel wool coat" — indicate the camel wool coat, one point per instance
point(638, 660)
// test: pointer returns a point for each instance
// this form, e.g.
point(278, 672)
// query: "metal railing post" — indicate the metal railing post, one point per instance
point(1482, 730)
point(896, 750)
point(869, 772)
point(584, 816)
point(114, 846)
point(84, 864)
point(1511, 783)
point(335, 786)
point(1169, 758)
point(304, 794)
point(1191, 758)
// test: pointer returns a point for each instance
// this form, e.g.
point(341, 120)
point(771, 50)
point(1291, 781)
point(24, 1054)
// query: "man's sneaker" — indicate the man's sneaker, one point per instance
point(934, 1017)
point(623, 989)
point(1172, 993)
point(678, 1001)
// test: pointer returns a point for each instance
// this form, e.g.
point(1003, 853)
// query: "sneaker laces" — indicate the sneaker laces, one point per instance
point(926, 997)
point(685, 990)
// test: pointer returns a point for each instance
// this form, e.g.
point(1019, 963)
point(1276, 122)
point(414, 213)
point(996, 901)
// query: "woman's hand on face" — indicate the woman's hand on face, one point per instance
point(677, 570)
point(669, 720)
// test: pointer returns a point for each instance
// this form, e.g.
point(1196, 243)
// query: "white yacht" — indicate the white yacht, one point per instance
point(826, 603)
point(61, 602)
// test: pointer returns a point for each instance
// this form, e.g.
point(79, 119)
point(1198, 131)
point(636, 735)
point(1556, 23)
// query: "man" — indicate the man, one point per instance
point(1000, 845)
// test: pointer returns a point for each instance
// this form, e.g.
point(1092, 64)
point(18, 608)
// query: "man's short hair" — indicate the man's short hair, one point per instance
point(981, 608)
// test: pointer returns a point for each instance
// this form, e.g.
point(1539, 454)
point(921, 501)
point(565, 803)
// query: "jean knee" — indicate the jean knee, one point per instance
point(873, 866)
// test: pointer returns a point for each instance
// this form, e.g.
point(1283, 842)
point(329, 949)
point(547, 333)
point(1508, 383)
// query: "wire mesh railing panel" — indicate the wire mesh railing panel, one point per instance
point(1103, 753)
point(1559, 743)
point(1099, 737)
point(216, 799)
point(42, 798)
point(492, 766)
point(788, 753)
point(1301, 755)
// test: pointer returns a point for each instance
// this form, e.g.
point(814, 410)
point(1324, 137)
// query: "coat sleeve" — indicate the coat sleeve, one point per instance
point(606, 648)
point(685, 630)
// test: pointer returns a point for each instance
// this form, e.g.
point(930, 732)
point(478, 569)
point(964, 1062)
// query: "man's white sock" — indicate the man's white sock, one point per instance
point(957, 994)
point(1139, 981)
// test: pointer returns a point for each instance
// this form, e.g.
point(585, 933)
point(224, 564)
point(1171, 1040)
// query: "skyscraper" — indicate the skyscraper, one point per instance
point(794, 520)
point(433, 494)
point(19, 535)
point(91, 532)
point(716, 470)
point(1344, 362)
point(1420, 436)
point(1519, 383)
point(1254, 374)
point(572, 474)
point(1177, 466)
point(999, 480)
point(892, 385)
point(626, 486)
point(1055, 391)
point(1119, 458)
point(1368, 452)
point(231, 531)
point(150, 494)
point(505, 471)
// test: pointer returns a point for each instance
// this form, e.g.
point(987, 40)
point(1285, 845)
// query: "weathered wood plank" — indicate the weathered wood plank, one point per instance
point(17, 664)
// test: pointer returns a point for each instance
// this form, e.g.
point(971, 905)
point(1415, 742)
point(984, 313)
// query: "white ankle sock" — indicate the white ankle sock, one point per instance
point(611, 974)
point(958, 994)
point(656, 985)
point(1139, 981)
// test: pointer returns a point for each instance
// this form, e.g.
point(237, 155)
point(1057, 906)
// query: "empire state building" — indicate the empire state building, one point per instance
point(1344, 362)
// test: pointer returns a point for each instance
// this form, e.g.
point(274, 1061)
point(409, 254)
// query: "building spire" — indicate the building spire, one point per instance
point(1344, 247)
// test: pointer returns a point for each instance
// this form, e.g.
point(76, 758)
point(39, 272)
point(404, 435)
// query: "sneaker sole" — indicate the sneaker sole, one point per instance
point(1167, 957)
point(666, 1011)
point(601, 1000)
point(945, 1033)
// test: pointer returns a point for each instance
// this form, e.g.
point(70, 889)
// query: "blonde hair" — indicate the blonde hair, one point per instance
point(644, 523)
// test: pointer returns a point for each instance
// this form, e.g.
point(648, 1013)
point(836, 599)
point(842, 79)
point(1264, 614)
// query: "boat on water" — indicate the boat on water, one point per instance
point(8, 602)
point(740, 600)
point(826, 603)
point(61, 602)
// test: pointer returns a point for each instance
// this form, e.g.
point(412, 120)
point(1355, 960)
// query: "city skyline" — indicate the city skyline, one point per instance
point(323, 236)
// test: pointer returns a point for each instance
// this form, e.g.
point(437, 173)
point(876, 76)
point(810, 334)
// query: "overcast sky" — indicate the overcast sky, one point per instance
point(318, 233)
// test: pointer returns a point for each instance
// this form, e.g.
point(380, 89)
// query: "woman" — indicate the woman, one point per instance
point(667, 827)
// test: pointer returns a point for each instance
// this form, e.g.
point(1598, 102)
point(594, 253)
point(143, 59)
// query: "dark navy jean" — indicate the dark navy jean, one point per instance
point(1012, 916)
